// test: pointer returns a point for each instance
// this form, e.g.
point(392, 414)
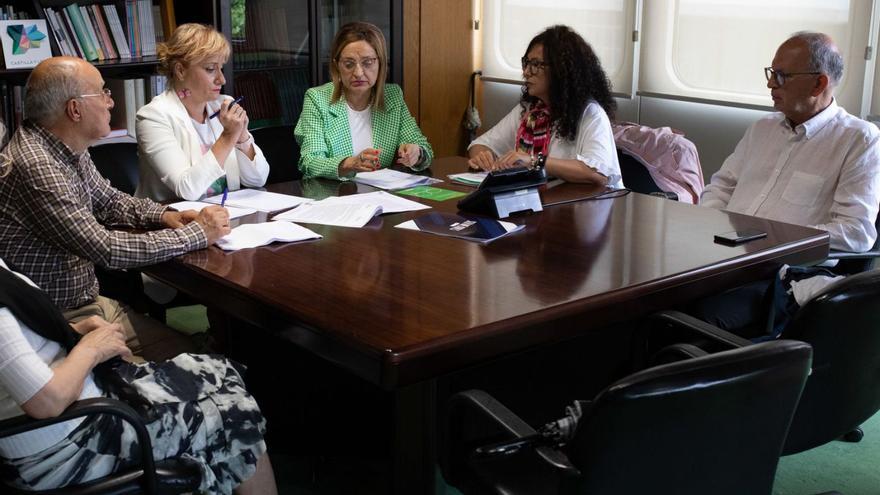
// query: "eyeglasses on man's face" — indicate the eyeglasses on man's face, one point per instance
point(779, 77)
point(106, 93)
point(533, 66)
point(367, 64)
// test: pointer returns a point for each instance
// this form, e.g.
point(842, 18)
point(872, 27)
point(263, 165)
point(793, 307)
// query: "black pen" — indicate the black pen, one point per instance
point(237, 100)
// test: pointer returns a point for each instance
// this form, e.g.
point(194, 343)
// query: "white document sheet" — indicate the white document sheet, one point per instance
point(338, 214)
point(198, 205)
point(468, 178)
point(259, 234)
point(390, 203)
point(387, 178)
point(258, 200)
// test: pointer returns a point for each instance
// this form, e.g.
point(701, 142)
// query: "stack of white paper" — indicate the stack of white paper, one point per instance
point(387, 178)
point(390, 203)
point(197, 205)
point(354, 210)
point(469, 178)
point(258, 200)
point(340, 215)
point(259, 234)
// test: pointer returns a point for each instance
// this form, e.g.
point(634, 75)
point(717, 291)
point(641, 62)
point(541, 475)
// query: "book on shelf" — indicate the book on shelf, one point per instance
point(117, 31)
point(157, 24)
point(74, 17)
point(148, 31)
point(72, 39)
point(59, 34)
point(102, 30)
point(93, 37)
point(132, 26)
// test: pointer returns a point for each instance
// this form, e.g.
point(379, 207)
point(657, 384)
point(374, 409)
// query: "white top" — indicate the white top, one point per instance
point(594, 144)
point(824, 173)
point(361, 127)
point(26, 362)
point(173, 163)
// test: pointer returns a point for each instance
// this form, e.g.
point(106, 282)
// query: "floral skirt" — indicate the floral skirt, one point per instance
point(203, 415)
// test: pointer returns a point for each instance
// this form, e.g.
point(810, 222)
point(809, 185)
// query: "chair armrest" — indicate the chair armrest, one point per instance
point(699, 327)
point(676, 352)
point(523, 435)
point(88, 407)
point(846, 255)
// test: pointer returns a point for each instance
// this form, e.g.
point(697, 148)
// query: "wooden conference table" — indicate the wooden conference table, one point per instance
point(401, 308)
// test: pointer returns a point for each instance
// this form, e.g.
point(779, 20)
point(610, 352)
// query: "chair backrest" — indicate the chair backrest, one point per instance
point(118, 163)
point(281, 151)
point(843, 326)
point(671, 159)
point(714, 424)
point(635, 176)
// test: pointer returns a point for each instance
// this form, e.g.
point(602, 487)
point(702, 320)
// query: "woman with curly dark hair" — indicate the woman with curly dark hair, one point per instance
point(563, 118)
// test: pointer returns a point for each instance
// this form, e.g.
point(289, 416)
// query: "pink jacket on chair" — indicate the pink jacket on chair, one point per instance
point(670, 158)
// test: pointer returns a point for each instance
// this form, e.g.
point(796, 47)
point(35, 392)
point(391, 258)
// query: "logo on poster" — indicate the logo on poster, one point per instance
point(24, 38)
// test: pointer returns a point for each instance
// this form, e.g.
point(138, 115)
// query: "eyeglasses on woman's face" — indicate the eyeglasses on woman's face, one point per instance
point(532, 65)
point(367, 64)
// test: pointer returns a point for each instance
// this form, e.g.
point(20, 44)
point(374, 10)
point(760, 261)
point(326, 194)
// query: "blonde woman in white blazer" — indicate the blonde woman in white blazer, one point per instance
point(183, 151)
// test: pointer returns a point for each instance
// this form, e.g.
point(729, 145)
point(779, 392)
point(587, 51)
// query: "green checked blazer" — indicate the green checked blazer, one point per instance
point(325, 138)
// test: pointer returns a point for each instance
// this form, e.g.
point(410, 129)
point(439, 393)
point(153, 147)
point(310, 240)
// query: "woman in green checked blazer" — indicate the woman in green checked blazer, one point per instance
point(357, 123)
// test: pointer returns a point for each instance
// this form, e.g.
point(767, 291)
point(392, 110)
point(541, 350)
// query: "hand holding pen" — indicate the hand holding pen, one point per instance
point(233, 118)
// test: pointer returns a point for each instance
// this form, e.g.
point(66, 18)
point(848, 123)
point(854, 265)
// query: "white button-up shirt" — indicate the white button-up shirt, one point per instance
point(824, 173)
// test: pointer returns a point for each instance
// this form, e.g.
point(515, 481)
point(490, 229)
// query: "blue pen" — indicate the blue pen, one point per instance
point(234, 102)
point(223, 199)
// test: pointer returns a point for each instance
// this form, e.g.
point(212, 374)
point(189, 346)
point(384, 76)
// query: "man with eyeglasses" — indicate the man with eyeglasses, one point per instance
point(811, 164)
point(56, 210)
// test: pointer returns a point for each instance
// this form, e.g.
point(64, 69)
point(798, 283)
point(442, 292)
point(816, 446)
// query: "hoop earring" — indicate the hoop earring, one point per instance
point(183, 93)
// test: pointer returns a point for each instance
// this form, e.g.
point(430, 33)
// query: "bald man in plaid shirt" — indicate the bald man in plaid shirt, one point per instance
point(57, 214)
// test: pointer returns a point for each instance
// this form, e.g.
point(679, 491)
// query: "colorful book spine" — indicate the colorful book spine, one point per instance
point(82, 33)
point(116, 29)
point(93, 36)
point(148, 31)
point(58, 32)
point(103, 30)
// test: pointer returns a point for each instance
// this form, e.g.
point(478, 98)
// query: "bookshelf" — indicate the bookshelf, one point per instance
point(135, 61)
point(281, 48)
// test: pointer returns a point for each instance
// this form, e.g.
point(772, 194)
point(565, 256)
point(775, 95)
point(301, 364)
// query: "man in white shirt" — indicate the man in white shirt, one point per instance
point(811, 164)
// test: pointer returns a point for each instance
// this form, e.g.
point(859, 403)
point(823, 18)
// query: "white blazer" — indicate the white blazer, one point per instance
point(170, 155)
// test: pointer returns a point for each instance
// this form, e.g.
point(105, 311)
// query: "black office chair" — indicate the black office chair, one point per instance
point(713, 424)
point(637, 178)
point(843, 326)
point(163, 477)
point(851, 263)
point(281, 151)
point(118, 163)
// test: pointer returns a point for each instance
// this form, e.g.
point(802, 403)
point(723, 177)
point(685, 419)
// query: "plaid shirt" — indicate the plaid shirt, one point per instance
point(54, 211)
point(324, 135)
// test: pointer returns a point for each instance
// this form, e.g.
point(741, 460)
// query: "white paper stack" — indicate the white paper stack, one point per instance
point(387, 178)
point(258, 200)
point(259, 234)
point(468, 178)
